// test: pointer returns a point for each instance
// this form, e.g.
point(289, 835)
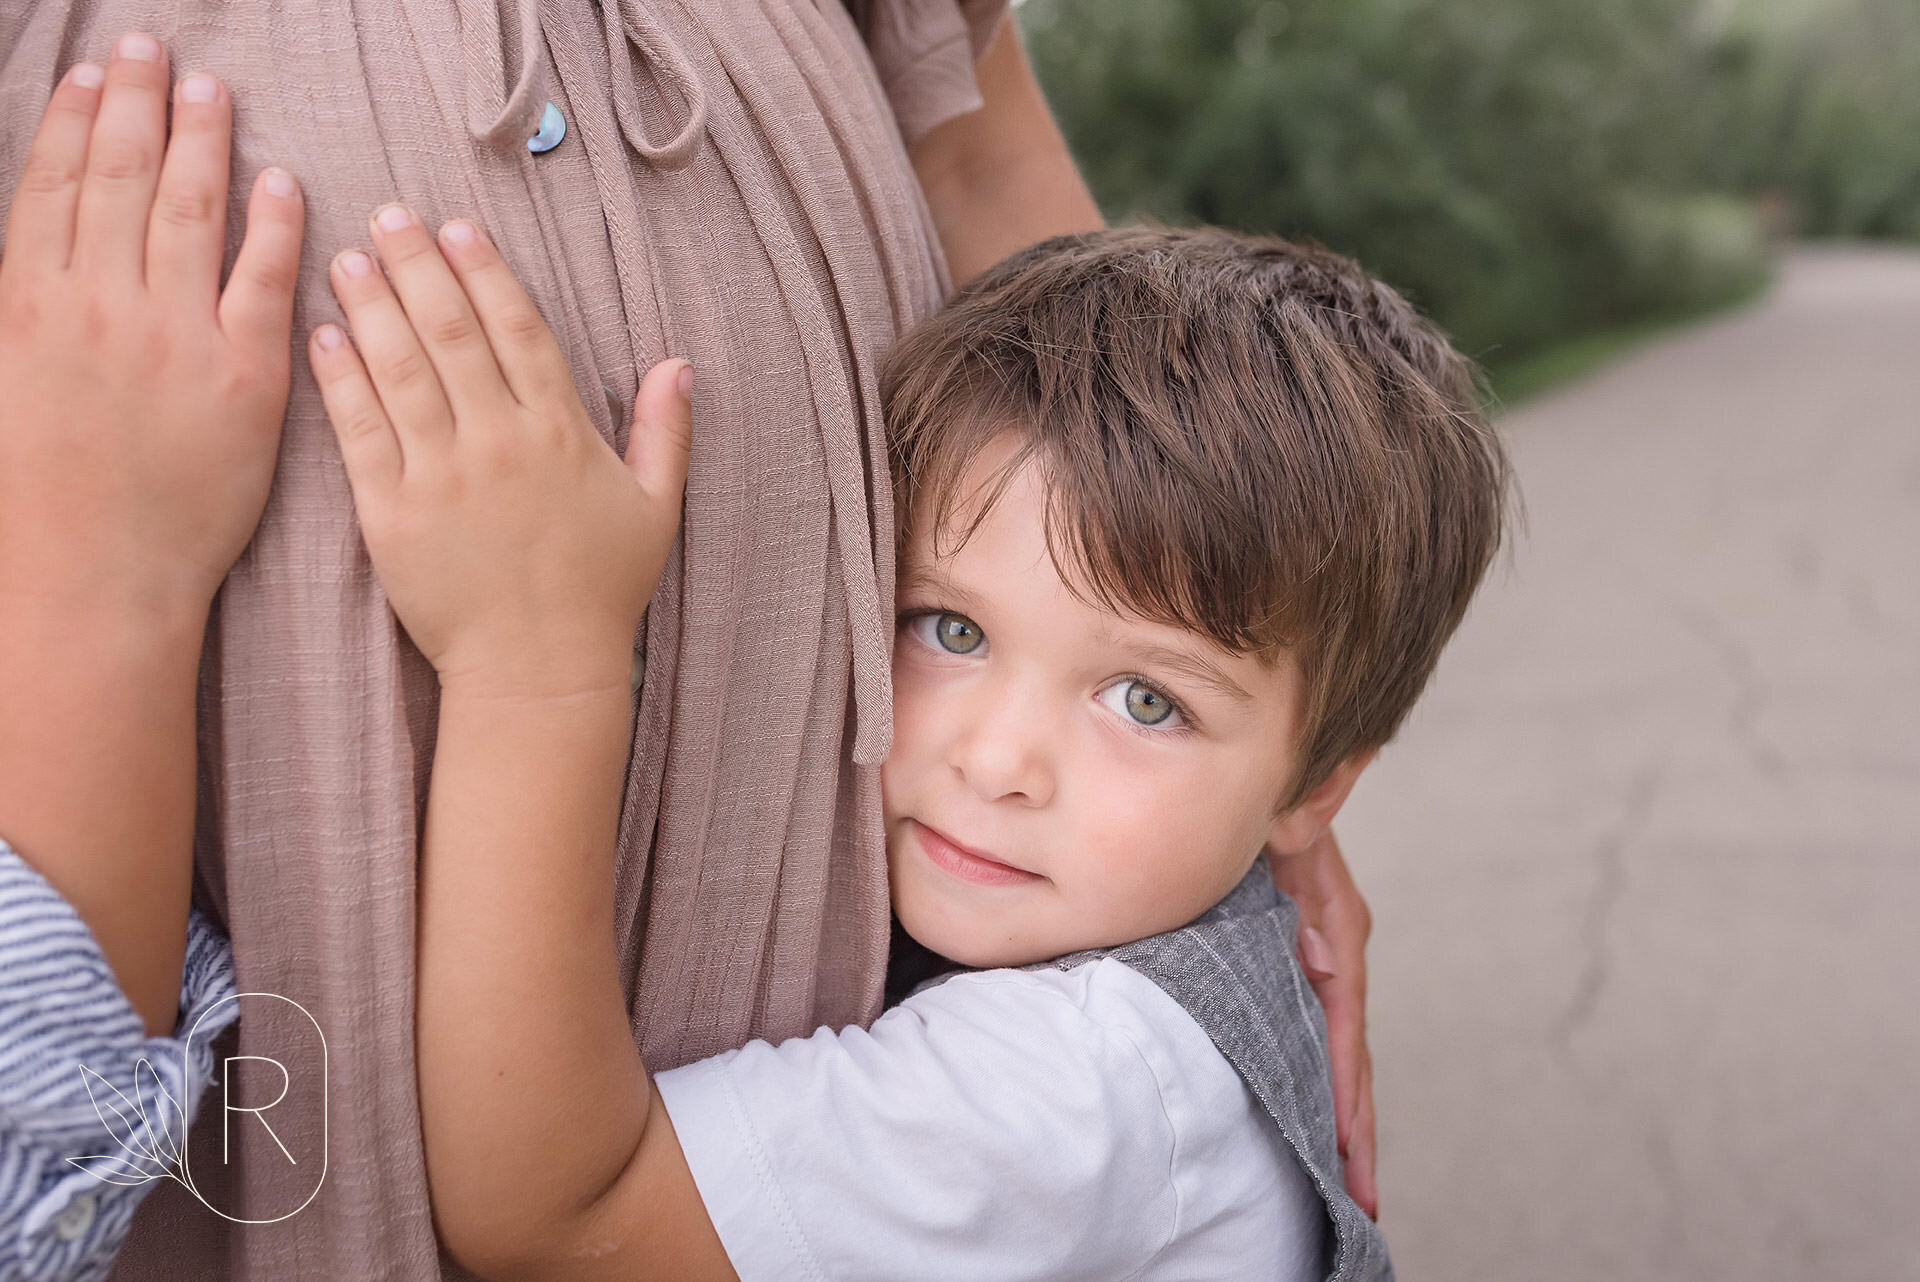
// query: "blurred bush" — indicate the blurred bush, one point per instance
point(1826, 112)
point(1528, 171)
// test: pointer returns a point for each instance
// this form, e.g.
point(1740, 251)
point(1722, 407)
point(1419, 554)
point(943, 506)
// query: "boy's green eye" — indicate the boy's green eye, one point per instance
point(956, 633)
point(1147, 705)
point(1142, 704)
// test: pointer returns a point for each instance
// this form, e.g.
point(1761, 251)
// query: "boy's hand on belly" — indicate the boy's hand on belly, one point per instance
point(143, 401)
point(518, 550)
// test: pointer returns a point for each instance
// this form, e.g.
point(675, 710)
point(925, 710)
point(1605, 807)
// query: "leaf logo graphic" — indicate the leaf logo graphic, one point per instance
point(151, 1128)
point(150, 1149)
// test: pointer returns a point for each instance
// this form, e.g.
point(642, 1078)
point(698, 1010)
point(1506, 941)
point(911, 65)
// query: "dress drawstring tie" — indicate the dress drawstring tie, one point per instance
point(632, 25)
point(498, 115)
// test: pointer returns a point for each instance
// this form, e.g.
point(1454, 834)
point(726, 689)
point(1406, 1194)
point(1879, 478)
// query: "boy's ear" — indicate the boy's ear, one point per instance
point(1298, 828)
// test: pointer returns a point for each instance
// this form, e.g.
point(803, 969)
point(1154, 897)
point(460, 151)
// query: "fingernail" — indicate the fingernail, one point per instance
point(1316, 951)
point(355, 263)
point(329, 336)
point(685, 382)
point(137, 47)
point(199, 87)
point(278, 182)
point(461, 233)
point(393, 218)
point(89, 75)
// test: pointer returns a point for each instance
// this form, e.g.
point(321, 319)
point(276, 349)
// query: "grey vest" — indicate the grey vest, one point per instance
point(1233, 970)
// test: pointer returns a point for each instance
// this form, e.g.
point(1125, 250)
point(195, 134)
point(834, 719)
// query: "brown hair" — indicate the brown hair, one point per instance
point(1240, 436)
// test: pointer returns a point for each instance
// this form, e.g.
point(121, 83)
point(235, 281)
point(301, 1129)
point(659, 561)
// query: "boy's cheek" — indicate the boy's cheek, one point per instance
point(1152, 867)
point(904, 767)
point(915, 714)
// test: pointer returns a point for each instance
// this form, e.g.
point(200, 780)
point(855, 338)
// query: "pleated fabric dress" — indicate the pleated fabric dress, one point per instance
point(733, 187)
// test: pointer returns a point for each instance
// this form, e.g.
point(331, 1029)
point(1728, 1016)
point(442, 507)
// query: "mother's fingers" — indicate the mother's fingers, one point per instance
point(1335, 924)
point(402, 374)
point(40, 228)
point(123, 160)
point(1343, 997)
point(1363, 1184)
point(187, 234)
point(441, 314)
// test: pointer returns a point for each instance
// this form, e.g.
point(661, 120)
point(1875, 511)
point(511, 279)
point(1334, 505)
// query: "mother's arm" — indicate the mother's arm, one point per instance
point(1000, 178)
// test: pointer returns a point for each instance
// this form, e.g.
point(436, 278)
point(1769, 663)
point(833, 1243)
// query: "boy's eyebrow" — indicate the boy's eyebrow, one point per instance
point(1187, 664)
point(918, 578)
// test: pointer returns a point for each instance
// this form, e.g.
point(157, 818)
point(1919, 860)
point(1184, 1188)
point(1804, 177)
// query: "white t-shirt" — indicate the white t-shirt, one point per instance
point(1004, 1125)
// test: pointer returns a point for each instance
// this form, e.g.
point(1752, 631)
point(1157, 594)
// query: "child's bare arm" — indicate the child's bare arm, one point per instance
point(549, 1153)
point(519, 552)
point(142, 416)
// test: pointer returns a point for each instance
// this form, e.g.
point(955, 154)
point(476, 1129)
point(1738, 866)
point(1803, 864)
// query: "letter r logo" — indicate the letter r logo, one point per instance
point(228, 1107)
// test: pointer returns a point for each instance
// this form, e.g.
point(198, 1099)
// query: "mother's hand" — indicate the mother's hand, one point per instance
point(1334, 925)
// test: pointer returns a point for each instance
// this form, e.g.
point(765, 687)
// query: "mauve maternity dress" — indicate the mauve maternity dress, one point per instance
point(733, 187)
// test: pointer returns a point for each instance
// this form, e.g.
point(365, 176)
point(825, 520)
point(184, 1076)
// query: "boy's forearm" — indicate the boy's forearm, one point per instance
point(97, 775)
point(532, 1096)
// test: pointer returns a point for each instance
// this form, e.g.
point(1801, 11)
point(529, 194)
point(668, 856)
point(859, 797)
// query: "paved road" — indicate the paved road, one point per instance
point(1646, 864)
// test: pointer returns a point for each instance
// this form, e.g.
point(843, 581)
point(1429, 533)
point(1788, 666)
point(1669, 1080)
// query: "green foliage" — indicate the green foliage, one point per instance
point(1827, 113)
point(1528, 171)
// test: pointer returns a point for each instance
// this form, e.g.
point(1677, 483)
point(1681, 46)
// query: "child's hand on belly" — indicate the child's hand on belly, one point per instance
point(143, 401)
point(517, 548)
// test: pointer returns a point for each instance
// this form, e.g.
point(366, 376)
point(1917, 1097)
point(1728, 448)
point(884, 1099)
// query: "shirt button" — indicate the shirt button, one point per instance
point(76, 1218)
point(553, 127)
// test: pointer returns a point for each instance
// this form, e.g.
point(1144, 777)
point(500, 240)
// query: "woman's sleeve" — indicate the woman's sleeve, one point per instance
point(925, 51)
point(92, 1111)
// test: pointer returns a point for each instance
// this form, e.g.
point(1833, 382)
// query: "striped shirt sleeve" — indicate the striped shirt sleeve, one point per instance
point(92, 1111)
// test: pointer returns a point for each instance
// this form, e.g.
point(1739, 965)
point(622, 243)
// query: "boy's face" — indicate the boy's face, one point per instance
point(1063, 777)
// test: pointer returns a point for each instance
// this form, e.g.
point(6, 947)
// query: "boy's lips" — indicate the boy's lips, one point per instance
point(967, 863)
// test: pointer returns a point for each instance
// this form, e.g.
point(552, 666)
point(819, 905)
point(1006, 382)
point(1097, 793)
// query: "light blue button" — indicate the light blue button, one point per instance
point(75, 1218)
point(553, 127)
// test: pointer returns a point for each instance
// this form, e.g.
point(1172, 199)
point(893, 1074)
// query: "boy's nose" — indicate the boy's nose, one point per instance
point(1005, 752)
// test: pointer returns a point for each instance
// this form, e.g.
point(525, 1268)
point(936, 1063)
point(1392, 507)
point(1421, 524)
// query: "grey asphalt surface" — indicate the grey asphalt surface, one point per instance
point(1645, 865)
